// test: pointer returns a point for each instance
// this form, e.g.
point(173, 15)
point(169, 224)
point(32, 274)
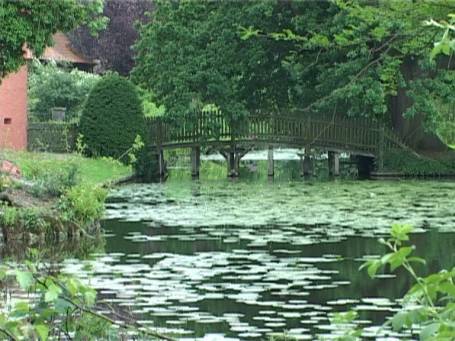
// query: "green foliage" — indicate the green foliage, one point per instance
point(9, 216)
point(410, 164)
point(54, 183)
point(149, 107)
point(348, 57)
point(137, 146)
point(433, 95)
point(446, 45)
point(145, 162)
point(19, 220)
point(91, 171)
point(52, 86)
point(60, 305)
point(60, 298)
point(80, 145)
point(33, 22)
point(83, 204)
point(430, 301)
point(345, 329)
point(112, 118)
point(193, 55)
point(51, 136)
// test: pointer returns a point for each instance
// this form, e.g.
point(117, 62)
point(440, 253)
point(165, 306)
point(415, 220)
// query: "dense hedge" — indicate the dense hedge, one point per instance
point(411, 165)
point(56, 137)
point(112, 118)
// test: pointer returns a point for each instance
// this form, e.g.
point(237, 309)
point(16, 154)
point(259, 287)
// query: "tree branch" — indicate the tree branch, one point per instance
point(7, 333)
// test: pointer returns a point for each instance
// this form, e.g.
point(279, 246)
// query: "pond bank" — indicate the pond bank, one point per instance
point(55, 197)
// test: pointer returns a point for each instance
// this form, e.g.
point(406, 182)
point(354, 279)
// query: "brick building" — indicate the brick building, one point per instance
point(13, 92)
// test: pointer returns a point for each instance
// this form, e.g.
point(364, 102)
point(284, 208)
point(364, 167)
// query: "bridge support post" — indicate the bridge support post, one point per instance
point(233, 163)
point(233, 157)
point(270, 163)
point(307, 163)
point(334, 163)
point(195, 161)
point(161, 164)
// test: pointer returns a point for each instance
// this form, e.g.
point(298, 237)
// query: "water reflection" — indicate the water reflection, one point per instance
point(244, 260)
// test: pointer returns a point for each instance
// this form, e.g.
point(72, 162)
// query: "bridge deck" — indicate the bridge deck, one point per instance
point(355, 135)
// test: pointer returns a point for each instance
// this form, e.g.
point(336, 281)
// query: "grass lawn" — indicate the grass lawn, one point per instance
point(91, 171)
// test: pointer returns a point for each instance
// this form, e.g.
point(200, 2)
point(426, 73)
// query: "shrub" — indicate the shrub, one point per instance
point(54, 182)
point(18, 220)
point(83, 204)
point(112, 118)
point(52, 86)
point(409, 164)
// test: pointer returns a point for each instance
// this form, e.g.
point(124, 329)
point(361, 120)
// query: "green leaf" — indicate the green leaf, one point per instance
point(3, 272)
point(400, 232)
point(429, 331)
point(52, 293)
point(344, 317)
point(448, 288)
point(43, 331)
point(72, 285)
point(373, 268)
point(25, 279)
point(22, 307)
point(417, 260)
point(62, 306)
point(90, 296)
point(399, 257)
point(248, 32)
point(386, 258)
point(399, 320)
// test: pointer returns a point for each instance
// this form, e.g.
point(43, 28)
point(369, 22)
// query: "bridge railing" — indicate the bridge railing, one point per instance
point(324, 131)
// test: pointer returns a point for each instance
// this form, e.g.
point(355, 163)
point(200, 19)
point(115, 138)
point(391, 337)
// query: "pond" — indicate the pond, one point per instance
point(223, 260)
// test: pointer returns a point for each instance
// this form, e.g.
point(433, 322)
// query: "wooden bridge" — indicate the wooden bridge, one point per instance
point(357, 136)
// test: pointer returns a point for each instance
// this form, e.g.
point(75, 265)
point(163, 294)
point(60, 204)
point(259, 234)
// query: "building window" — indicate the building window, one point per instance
point(7, 120)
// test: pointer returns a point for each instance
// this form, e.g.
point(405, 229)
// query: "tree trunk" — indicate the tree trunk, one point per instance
point(412, 130)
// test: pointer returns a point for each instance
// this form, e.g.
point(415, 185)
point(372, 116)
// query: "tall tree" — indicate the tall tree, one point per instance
point(191, 54)
point(372, 58)
point(347, 57)
point(113, 46)
point(32, 23)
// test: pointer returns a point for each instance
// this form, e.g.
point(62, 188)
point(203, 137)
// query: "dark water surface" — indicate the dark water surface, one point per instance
point(240, 260)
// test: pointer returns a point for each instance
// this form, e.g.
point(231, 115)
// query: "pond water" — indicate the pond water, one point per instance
point(222, 260)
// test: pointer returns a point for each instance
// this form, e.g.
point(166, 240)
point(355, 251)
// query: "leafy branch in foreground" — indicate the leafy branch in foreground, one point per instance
point(60, 307)
point(446, 45)
point(430, 303)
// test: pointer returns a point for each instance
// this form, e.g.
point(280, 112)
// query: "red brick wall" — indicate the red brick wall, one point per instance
point(13, 110)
